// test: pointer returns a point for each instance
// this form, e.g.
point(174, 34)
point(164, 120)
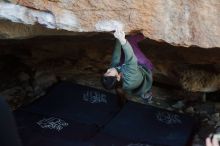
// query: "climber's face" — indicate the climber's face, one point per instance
point(113, 72)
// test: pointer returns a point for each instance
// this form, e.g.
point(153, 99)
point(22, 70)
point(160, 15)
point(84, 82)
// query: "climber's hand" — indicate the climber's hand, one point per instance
point(120, 35)
point(212, 141)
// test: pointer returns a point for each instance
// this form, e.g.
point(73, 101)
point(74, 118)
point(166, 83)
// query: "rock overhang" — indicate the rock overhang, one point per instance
point(181, 23)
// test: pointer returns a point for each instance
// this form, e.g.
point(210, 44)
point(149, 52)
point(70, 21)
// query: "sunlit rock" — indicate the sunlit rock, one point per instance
point(183, 22)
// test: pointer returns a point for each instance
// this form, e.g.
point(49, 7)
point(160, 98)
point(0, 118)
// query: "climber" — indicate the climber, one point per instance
point(130, 69)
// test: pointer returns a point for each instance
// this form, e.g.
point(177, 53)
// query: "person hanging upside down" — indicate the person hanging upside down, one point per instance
point(129, 67)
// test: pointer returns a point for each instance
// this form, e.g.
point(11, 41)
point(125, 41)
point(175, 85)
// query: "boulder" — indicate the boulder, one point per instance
point(182, 23)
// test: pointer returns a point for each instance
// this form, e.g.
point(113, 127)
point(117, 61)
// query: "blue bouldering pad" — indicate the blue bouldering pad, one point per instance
point(139, 124)
point(36, 129)
point(76, 115)
point(70, 114)
point(80, 103)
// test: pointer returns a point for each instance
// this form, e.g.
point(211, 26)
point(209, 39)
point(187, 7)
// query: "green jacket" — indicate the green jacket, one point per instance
point(136, 80)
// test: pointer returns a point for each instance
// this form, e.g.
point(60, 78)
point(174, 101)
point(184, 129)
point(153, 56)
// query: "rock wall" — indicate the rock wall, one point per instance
point(29, 66)
point(183, 22)
point(10, 30)
point(194, 69)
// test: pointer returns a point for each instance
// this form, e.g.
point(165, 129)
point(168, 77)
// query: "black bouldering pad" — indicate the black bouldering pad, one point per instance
point(35, 130)
point(70, 114)
point(80, 103)
point(77, 115)
point(51, 141)
point(139, 124)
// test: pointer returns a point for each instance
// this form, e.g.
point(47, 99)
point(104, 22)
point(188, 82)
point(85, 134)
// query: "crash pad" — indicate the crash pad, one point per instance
point(36, 129)
point(77, 115)
point(77, 102)
point(70, 114)
point(139, 124)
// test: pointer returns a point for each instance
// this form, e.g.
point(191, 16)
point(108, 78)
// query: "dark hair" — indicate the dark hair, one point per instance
point(109, 82)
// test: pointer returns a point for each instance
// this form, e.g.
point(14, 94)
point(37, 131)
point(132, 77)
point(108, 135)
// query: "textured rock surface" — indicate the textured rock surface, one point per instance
point(9, 30)
point(193, 68)
point(29, 66)
point(183, 22)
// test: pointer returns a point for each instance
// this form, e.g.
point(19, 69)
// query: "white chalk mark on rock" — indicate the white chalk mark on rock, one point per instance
point(67, 20)
point(109, 25)
point(20, 14)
